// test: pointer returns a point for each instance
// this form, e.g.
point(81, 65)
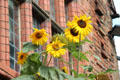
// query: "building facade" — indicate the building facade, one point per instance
point(18, 17)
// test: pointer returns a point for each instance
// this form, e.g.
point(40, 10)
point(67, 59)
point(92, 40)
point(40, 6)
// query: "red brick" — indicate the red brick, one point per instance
point(2, 56)
point(2, 17)
point(7, 48)
point(2, 24)
point(2, 47)
point(2, 32)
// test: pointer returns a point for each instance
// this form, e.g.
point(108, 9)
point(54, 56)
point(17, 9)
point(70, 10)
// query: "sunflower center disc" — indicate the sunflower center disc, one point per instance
point(63, 70)
point(72, 31)
point(81, 23)
point(21, 57)
point(38, 35)
point(55, 47)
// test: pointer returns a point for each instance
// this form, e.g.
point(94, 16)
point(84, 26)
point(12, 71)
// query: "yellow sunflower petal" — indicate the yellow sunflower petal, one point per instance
point(56, 48)
point(69, 24)
point(64, 69)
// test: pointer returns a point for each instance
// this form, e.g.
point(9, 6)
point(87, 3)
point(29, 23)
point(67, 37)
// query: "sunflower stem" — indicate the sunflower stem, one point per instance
point(71, 63)
point(49, 60)
point(45, 59)
point(80, 48)
point(70, 59)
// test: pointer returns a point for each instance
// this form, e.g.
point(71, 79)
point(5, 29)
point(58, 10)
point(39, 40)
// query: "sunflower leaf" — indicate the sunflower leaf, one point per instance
point(25, 77)
point(82, 75)
point(51, 73)
point(83, 57)
point(110, 71)
point(28, 46)
point(89, 68)
point(75, 54)
point(92, 76)
point(75, 72)
point(84, 41)
point(35, 57)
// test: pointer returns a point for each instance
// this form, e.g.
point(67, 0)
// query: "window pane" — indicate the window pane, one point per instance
point(12, 51)
point(12, 63)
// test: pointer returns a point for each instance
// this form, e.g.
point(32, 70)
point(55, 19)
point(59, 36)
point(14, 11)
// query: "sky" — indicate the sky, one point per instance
point(117, 22)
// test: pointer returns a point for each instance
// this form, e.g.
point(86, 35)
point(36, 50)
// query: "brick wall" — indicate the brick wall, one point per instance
point(102, 24)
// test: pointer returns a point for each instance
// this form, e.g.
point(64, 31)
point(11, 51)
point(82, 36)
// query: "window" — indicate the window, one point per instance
point(14, 41)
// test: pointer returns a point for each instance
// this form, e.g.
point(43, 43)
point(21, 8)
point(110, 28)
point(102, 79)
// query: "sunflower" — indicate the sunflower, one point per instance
point(65, 70)
point(39, 37)
point(37, 76)
point(56, 48)
point(82, 24)
point(21, 57)
point(72, 35)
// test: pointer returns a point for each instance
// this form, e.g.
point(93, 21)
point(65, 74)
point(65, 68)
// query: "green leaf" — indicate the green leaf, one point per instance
point(75, 54)
point(110, 71)
point(92, 76)
point(28, 46)
point(51, 73)
point(98, 58)
point(75, 72)
point(72, 47)
point(83, 57)
point(25, 77)
point(47, 73)
point(84, 41)
point(82, 75)
point(45, 60)
point(35, 57)
point(80, 56)
point(89, 68)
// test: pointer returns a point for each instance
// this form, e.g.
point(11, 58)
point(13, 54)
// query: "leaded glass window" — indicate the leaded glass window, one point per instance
point(14, 40)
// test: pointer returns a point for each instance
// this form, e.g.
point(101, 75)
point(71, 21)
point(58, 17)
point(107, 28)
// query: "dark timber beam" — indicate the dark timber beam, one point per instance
point(39, 10)
point(115, 31)
point(115, 16)
point(118, 58)
point(20, 1)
